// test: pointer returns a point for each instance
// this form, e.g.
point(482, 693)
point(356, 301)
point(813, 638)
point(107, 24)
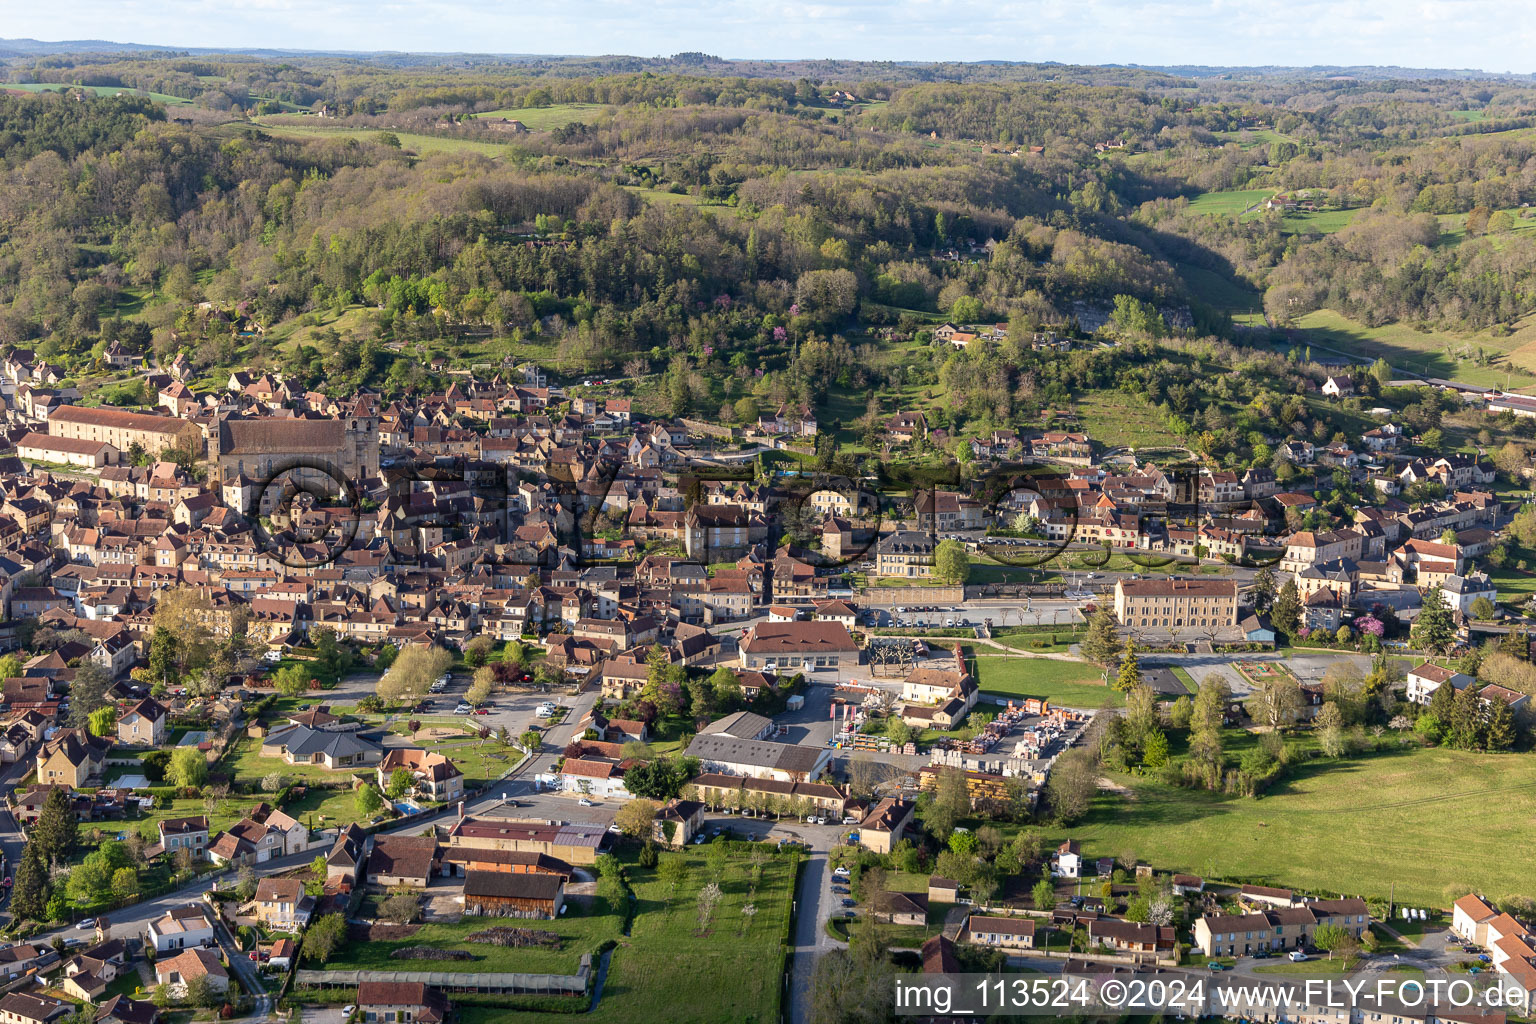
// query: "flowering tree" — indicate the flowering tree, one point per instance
point(1370, 625)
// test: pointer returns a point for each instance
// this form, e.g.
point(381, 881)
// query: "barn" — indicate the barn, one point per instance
point(510, 894)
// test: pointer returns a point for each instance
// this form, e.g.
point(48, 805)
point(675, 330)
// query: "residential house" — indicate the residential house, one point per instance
point(174, 972)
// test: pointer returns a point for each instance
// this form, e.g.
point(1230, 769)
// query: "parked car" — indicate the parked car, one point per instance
point(840, 872)
point(87, 924)
point(482, 711)
point(584, 802)
point(1216, 966)
point(463, 709)
point(850, 903)
point(1297, 956)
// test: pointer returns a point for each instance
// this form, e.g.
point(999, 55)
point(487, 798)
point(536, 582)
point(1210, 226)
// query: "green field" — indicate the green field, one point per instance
point(411, 142)
point(668, 969)
point(1073, 683)
point(1430, 353)
point(1435, 823)
point(1114, 418)
point(1251, 137)
point(542, 119)
point(99, 90)
point(1226, 294)
point(1231, 203)
point(1322, 222)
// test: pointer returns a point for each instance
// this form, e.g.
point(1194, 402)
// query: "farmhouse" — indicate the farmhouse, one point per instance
point(402, 860)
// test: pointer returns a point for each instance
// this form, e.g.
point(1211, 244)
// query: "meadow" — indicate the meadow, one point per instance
point(670, 969)
point(543, 119)
point(1429, 824)
point(1430, 353)
point(1229, 203)
point(99, 90)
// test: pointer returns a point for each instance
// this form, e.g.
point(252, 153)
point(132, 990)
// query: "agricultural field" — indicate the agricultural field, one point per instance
point(1435, 823)
point(543, 119)
point(410, 142)
point(670, 969)
point(1429, 353)
point(99, 90)
point(1321, 222)
point(1230, 203)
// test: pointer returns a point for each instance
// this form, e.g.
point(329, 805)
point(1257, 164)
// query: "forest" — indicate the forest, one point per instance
point(729, 235)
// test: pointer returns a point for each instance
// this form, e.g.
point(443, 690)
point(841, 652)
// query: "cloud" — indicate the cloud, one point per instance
point(1489, 34)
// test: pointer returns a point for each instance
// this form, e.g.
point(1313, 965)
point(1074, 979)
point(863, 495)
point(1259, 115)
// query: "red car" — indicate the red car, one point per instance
point(482, 711)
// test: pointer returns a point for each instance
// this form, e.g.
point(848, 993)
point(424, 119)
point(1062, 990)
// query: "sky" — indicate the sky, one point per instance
point(1491, 35)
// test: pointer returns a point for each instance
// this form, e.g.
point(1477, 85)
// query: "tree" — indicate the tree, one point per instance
point(480, 687)
point(899, 732)
point(1483, 609)
point(400, 783)
point(200, 992)
point(1072, 785)
point(325, 937)
point(661, 778)
point(1154, 753)
point(125, 882)
point(401, 908)
point(188, 768)
point(1434, 629)
point(184, 613)
point(414, 671)
point(1286, 613)
point(951, 801)
point(1276, 700)
point(1179, 713)
point(951, 563)
point(104, 721)
point(368, 800)
point(1044, 894)
point(1335, 939)
point(291, 680)
point(245, 883)
point(531, 740)
point(635, 818)
point(30, 891)
point(1130, 672)
point(1501, 733)
point(726, 687)
point(1101, 643)
point(57, 829)
point(673, 872)
point(1263, 588)
point(87, 693)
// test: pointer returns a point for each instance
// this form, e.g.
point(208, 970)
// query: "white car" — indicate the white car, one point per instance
point(840, 872)
point(584, 802)
point(542, 713)
point(87, 924)
point(463, 709)
point(1297, 956)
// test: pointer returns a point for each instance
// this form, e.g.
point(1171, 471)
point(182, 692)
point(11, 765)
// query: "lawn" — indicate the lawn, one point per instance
point(670, 970)
point(245, 763)
point(587, 925)
point(1435, 823)
point(1073, 683)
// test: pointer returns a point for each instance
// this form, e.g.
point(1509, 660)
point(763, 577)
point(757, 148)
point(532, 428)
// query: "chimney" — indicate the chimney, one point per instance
point(461, 810)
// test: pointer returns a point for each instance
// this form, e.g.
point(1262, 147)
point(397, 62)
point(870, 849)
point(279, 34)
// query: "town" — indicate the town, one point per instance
point(294, 669)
